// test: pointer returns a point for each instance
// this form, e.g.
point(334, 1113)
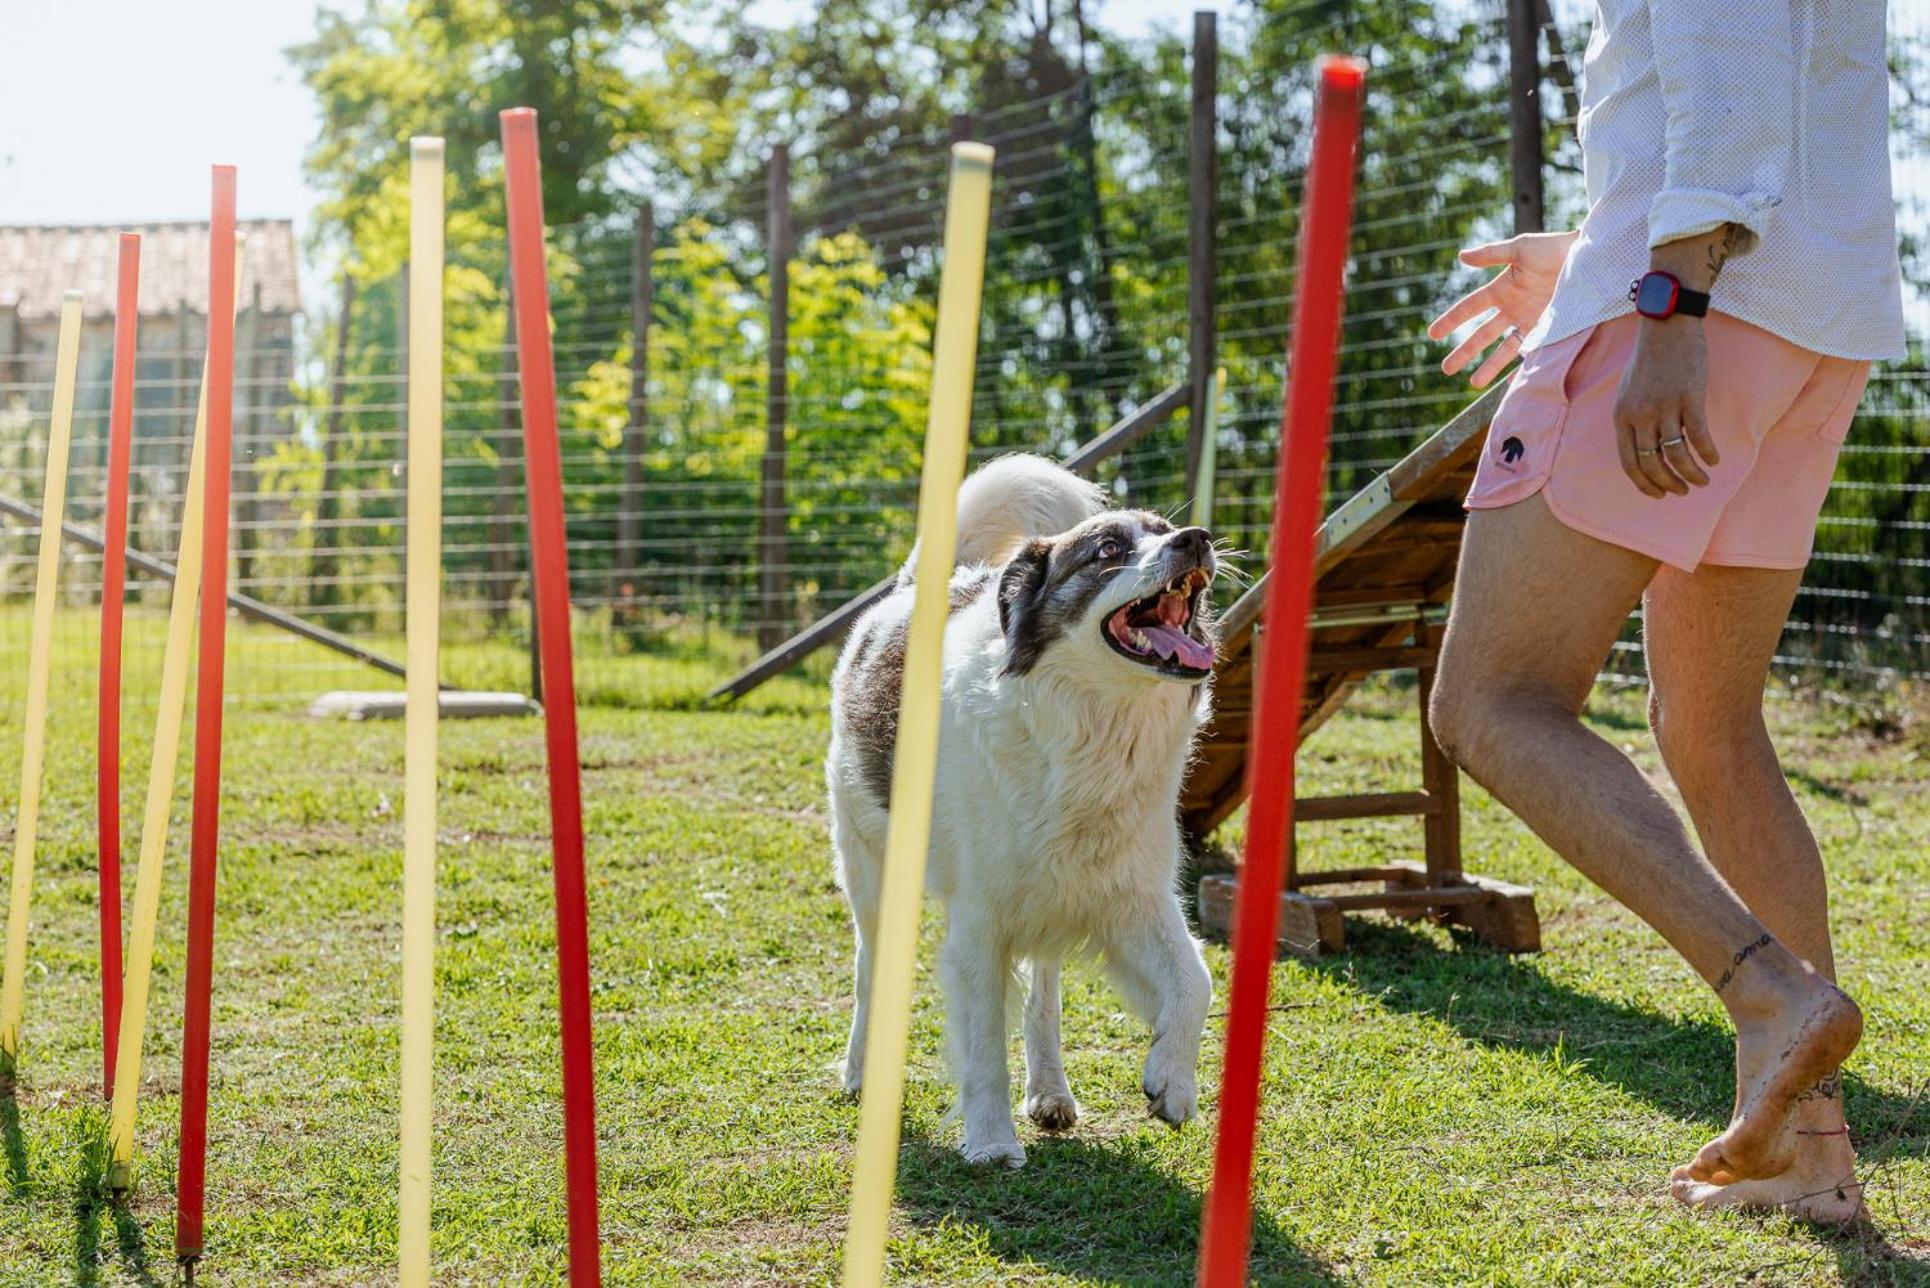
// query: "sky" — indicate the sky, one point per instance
point(111, 111)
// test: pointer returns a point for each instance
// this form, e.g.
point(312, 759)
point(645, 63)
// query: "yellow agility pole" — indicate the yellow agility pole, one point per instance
point(1209, 450)
point(914, 770)
point(53, 508)
point(424, 570)
point(176, 662)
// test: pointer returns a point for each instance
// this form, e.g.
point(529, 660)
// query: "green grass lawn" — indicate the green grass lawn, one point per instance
point(1435, 1113)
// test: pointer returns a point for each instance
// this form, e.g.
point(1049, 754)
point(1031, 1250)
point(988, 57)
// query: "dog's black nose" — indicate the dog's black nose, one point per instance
point(1197, 542)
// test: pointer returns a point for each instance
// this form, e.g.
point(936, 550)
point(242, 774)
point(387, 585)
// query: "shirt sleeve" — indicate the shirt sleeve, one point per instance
point(1728, 77)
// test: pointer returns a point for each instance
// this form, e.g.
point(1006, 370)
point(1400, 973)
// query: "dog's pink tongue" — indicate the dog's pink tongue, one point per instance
point(1168, 642)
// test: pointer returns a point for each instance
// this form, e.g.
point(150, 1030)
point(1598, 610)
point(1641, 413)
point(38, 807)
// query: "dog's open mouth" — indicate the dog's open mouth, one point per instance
point(1156, 631)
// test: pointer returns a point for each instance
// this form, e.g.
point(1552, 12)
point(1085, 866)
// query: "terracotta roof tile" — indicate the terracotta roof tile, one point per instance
point(39, 263)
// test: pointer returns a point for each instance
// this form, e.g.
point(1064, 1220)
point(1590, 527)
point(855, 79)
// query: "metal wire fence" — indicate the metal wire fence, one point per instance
point(720, 498)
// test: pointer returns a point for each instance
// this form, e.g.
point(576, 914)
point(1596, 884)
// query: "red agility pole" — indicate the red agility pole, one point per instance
point(550, 591)
point(107, 750)
point(1311, 363)
point(191, 1179)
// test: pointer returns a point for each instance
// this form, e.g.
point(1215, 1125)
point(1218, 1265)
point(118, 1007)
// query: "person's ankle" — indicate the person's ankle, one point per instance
point(1764, 981)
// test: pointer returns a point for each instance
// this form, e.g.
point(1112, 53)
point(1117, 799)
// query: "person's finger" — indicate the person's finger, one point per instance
point(1490, 255)
point(1649, 433)
point(1678, 457)
point(1696, 425)
point(1477, 342)
point(1462, 311)
point(1497, 362)
point(1626, 439)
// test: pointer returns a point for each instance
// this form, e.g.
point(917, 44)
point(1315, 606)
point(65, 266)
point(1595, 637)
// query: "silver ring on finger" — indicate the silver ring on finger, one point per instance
point(1677, 441)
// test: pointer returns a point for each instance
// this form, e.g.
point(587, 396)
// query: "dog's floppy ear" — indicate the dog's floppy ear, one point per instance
point(1021, 594)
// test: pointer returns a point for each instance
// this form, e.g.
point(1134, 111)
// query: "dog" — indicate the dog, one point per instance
point(1078, 664)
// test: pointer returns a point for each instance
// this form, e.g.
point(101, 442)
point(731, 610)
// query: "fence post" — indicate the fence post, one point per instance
point(322, 566)
point(630, 499)
point(1524, 113)
point(1202, 228)
point(773, 519)
point(247, 439)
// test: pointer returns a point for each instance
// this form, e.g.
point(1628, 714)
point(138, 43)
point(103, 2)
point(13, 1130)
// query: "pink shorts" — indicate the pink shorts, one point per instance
point(1778, 413)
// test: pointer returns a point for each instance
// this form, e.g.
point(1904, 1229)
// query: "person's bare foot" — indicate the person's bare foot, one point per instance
point(1778, 1060)
point(1819, 1186)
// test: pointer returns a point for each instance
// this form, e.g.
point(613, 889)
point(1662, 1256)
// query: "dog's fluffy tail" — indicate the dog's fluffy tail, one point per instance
point(1013, 499)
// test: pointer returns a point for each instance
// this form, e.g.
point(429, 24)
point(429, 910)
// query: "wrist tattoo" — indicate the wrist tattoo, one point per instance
point(1743, 954)
point(1719, 251)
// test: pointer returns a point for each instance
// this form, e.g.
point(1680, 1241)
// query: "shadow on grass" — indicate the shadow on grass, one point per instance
point(1679, 1066)
point(11, 1140)
point(1094, 1211)
point(92, 1202)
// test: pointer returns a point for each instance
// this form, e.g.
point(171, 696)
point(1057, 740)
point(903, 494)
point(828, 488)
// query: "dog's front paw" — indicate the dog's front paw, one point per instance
point(851, 1080)
point(1171, 1092)
point(1052, 1110)
point(1009, 1154)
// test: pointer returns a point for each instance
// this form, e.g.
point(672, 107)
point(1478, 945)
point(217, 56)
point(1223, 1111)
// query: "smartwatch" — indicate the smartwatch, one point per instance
point(1660, 296)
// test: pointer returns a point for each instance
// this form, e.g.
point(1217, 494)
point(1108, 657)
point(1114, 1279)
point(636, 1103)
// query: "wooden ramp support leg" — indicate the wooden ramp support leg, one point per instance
point(1311, 925)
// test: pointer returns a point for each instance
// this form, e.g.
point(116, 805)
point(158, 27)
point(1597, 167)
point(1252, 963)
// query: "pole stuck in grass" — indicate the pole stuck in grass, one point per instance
point(1312, 360)
point(53, 504)
point(107, 743)
point(914, 770)
point(550, 594)
point(204, 827)
point(177, 656)
point(424, 591)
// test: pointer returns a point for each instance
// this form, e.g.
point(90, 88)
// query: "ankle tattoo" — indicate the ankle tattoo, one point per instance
point(1743, 954)
point(1827, 1088)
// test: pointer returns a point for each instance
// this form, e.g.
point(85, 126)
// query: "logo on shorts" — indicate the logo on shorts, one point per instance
point(1512, 450)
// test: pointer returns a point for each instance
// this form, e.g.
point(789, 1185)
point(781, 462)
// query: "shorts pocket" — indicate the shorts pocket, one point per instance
point(1528, 426)
point(1835, 427)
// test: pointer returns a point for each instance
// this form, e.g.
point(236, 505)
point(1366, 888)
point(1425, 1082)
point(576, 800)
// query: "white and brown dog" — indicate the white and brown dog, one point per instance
point(1077, 669)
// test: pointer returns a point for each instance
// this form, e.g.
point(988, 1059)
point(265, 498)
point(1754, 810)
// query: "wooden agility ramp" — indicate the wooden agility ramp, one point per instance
point(1384, 564)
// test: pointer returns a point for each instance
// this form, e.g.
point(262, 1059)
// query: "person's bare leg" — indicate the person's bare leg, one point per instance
point(1711, 637)
point(1537, 606)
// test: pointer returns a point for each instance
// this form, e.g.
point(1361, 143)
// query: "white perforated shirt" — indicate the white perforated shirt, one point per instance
point(1769, 114)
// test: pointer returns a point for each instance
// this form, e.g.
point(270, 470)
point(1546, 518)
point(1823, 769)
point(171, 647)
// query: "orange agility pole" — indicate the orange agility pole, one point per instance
point(1303, 461)
point(191, 1178)
point(107, 750)
point(550, 591)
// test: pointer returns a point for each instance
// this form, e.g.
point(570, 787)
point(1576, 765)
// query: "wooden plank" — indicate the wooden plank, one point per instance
point(1326, 809)
point(1438, 897)
point(1403, 658)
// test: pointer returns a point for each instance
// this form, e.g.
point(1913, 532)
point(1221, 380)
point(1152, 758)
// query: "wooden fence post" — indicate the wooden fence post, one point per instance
point(1524, 114)
point(773, 578)
point(1201, 236)
point(629, 560)
point(323, 569)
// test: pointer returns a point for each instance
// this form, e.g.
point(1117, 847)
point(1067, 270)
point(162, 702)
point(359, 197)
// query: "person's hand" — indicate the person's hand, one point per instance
point(1513, 300)
point(1660, 426)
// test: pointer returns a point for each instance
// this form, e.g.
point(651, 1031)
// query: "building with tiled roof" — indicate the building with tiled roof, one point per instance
point(39, 264)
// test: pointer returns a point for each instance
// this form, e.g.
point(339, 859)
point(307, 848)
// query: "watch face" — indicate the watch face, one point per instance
point(1656, 295)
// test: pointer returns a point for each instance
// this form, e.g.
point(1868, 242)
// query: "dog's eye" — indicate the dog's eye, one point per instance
point(1111, 549)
